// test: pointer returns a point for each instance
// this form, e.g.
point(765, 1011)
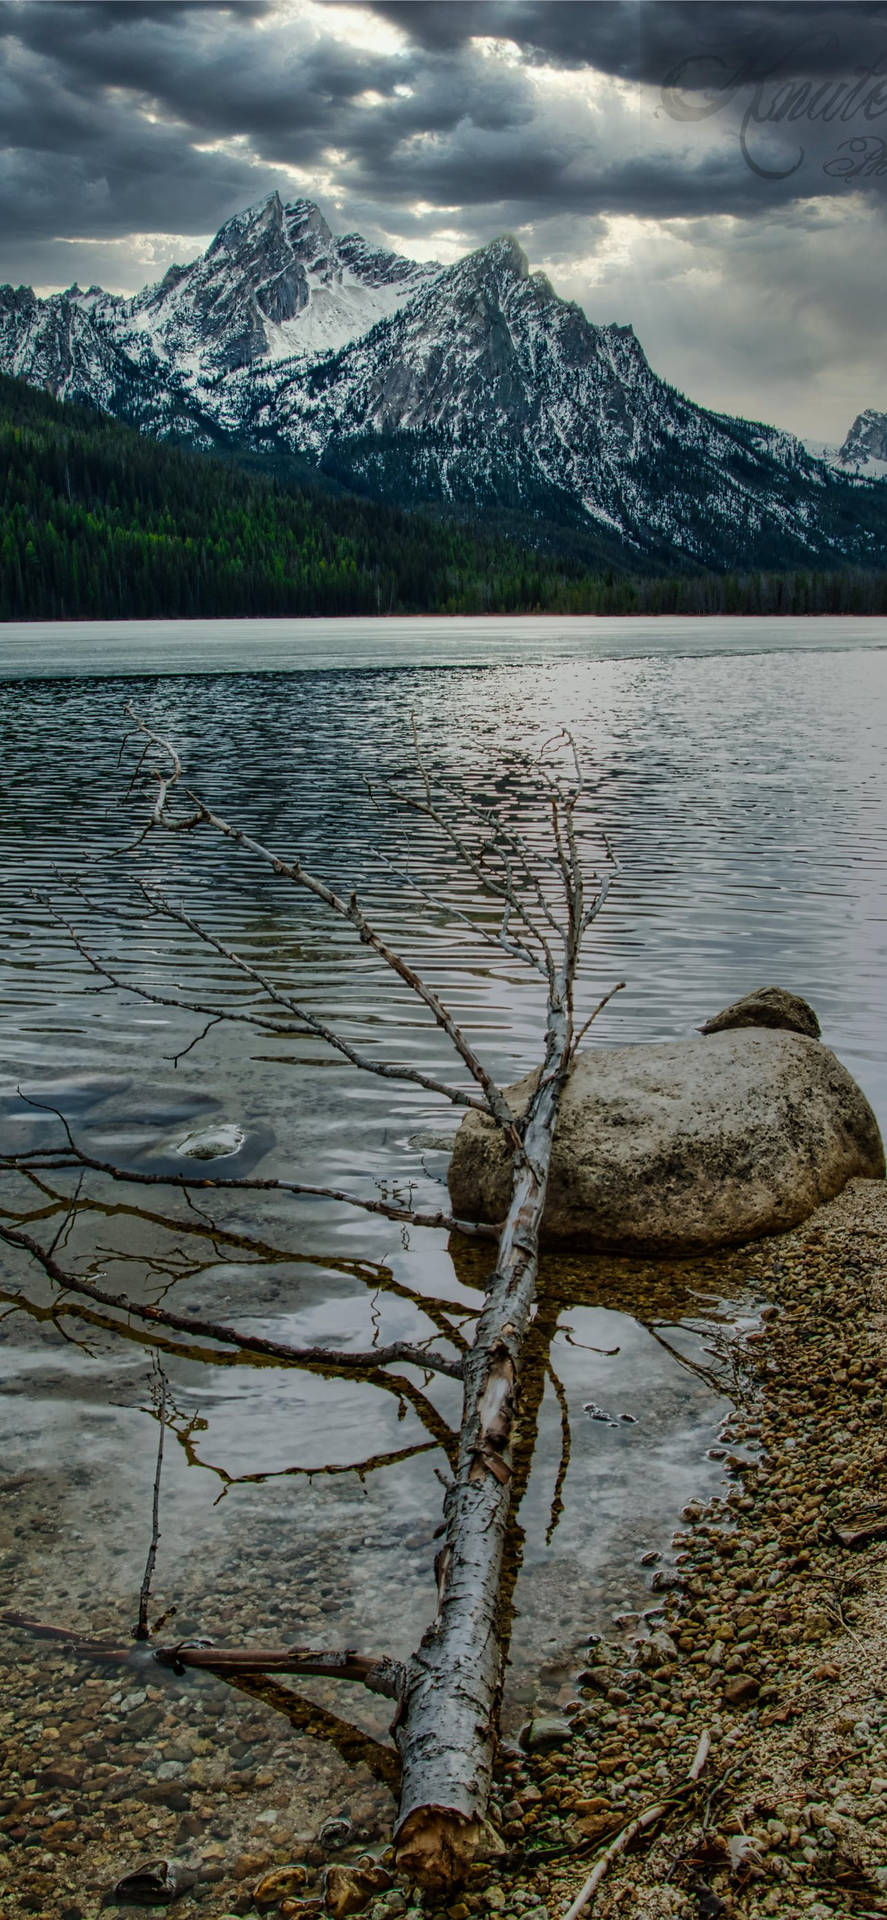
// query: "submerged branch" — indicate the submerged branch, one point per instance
point(249, 1677)
point(375, 1671)
point(356, 1748)
point(142, 1631)
point(235, 1183)
point(333, 1359)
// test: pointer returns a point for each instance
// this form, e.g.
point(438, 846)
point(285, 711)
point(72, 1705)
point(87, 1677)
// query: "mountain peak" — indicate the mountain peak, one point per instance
point(274, 284)
point(263, 216)
point(865, 448)
point(505, 254)
point(303, 217)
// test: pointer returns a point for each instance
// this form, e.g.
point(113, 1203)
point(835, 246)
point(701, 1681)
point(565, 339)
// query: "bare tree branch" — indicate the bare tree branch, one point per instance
point(449, 1691)
point(349, 910)
point(557, 1498)
point(442, 1312)
point(515, 949)
point(602, 1003)
point(197, 1226)
point(500, 842)
point(216, 1015)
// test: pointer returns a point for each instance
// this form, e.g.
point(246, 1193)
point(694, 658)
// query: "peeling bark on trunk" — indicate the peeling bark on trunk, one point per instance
point(447, 1726)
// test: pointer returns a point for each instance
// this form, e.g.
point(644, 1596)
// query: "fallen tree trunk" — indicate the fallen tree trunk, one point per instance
point(448, 1723)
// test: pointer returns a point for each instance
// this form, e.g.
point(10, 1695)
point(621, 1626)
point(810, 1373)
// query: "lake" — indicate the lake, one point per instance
point(736, 766)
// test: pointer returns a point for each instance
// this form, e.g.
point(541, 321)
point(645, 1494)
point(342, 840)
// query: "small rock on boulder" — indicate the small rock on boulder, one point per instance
point(213, 1143)
point(767, 1007)
point(684, 1147)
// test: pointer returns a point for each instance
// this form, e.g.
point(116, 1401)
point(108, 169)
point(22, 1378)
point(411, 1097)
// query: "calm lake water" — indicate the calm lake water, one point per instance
point(737, 768)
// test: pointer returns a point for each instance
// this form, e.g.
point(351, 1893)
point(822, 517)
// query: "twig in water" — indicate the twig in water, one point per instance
point(159, 1385)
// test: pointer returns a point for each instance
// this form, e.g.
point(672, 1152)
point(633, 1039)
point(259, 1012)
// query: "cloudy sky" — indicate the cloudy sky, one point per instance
point(714, 171)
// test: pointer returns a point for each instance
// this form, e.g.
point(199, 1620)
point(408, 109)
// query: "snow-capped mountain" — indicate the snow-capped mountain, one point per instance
point(864, 452)
point(473, 384)
point(274, 283)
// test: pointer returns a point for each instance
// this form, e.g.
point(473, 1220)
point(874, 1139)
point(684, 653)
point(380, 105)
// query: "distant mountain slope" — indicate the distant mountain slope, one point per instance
point(99, 521)
point(275, 283)
point(470, 387)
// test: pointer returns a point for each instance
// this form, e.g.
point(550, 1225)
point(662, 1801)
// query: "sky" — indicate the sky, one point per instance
point(713, 171)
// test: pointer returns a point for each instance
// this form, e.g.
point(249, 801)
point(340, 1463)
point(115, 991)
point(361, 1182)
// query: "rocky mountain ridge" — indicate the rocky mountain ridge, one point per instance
point(864, 452)
point(468, 387)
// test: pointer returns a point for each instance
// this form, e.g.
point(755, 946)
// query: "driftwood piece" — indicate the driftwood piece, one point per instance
point(647, 1818)
point(622, 1842)
point(853, 1538)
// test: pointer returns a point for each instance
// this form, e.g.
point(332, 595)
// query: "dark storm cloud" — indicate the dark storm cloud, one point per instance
point(449, 128)
point(83, 155)
point(109, 13)
point(537, 182)
point(791, 83)
point(287, 99)
point(156, 117)
point(644, 39)
point(75, 164)
point(200, 63)
point(76, 88)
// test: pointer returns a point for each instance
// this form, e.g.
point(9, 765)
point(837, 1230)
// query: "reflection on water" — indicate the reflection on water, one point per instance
point(745, 799)
point(620, 1404)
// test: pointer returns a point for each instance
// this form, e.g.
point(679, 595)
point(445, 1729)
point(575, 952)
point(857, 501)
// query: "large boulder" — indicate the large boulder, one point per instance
point(687, 1146)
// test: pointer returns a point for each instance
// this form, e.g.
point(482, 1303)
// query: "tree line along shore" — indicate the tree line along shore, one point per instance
point(101, 522)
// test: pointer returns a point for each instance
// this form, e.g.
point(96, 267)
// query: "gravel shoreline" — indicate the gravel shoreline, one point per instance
point(769, 1648)
point(774, 1644)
